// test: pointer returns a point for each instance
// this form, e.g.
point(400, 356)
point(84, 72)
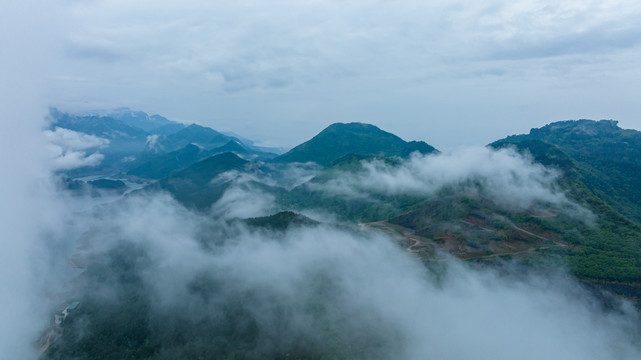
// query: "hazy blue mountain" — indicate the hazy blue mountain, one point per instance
point(161, 165)
point(244, 151)
point(142, 120)
point(194, 186)
point(193, 134)
point(102, 122)
point(231, 146)
point(100, 126)
point(125, 141)
point(251, 144)
point(338, 140)
point(158, 166)
point(168, 129)
point(150, 146)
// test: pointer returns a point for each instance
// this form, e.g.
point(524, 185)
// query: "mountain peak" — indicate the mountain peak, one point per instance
point(582, 127)
point(340, 139)
point(353, 125)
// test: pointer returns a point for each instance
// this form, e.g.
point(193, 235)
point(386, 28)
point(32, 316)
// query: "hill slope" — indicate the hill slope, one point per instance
point(607, 157)
point(162, 165)
point(194, 186)
point(200, 135)
point(338, 140)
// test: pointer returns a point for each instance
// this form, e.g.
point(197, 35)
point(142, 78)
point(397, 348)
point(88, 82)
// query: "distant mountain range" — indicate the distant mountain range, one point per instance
point(151, 146)
point(600, 165)
point(598, 162)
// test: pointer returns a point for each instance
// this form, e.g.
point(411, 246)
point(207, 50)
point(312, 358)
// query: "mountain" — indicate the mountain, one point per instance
point(598, 166)
point(593, 159)
point(153, 124)
point(100, 126)
point(158, 166)
point(125, 141)
point(250, 144)
point(607, 157)
point(120, 123)
point(149, 146)
point(195, 186)
point(339, 139)
point(366, 208)
point(244, 151)
point(280, 221)
point(599, 163)
point(231, 146)
point(193, 134)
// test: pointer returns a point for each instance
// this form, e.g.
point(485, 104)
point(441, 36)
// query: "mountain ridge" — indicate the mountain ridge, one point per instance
point(340, 139)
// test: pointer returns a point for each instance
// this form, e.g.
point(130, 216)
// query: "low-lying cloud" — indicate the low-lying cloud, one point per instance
point(199, 285)
point(66, 147)
point(73, 140)
point(161, 279)
point(508, 178)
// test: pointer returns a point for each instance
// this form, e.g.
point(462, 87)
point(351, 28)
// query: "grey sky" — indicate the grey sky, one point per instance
point(447, 72)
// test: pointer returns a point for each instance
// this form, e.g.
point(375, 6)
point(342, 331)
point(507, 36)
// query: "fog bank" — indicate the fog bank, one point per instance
point(206, 286)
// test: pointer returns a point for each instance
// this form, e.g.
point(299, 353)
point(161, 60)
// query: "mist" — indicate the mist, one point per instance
point(176, 283)
point(28, 207)
point(179, 284)
point(505, 176)
point(69, 148)
point(201, 285)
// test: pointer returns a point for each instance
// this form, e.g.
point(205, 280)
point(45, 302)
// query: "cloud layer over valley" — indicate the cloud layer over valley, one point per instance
point(67, 145)
point(160, 279)
point(155, 279)
point(504, 176)
point(197, 285)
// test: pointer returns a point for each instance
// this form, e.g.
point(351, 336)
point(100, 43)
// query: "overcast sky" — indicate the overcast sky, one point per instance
point(451, 73)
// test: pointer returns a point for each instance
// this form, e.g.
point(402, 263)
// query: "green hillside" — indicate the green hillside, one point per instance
point(608, 158)
point(280, 221)
point(597, 162)
point(458, 221)
point(338, 140)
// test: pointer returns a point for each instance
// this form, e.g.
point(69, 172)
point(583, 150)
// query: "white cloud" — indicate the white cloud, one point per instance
point(343, 49)
point(152, 142)
point(370, 291)
point(67, 160)
point(446, 72)
point(73, 140)
point(504, 176)
point(66, 149)
point(28, 40)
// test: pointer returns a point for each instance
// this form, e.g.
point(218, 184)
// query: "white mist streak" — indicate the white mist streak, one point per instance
point(370, 287)
point(504, 176)
point(27, 41)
